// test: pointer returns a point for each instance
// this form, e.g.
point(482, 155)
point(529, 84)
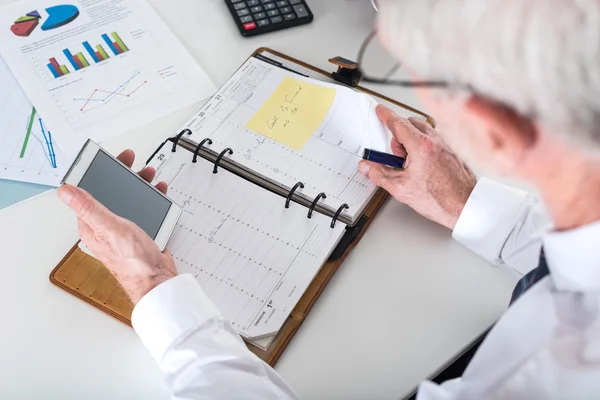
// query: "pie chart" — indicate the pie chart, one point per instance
point(58, 16)
point(26, 24)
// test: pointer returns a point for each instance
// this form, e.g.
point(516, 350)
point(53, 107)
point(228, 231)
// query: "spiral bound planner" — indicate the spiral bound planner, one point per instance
point(266, 173)
point(253, 257)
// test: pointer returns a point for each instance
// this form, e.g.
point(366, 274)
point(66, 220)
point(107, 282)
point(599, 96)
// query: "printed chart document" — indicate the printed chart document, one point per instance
point(96, 68)
point(28, 150)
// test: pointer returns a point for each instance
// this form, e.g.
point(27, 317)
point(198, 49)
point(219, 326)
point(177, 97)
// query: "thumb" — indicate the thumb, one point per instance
point(87, 209)
point(378, 174)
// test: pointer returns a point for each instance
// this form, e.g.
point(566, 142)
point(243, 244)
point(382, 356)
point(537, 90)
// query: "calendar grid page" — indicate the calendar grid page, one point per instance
point(253, 257)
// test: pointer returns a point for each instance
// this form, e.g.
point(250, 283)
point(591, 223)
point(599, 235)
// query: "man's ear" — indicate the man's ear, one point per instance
point(509, 133)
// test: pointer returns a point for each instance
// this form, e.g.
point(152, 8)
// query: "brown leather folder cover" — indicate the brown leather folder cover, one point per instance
point(86, 278)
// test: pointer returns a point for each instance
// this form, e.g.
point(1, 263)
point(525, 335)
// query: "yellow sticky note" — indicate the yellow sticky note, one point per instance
point(293, 112)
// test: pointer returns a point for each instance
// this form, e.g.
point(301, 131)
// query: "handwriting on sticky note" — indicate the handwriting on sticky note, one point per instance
point(293, 112)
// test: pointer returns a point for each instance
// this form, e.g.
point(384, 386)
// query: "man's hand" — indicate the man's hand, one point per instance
point(124, 248)
point(434, 181)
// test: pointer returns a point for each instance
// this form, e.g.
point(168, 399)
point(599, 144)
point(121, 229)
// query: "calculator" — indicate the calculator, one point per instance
point(254, 17)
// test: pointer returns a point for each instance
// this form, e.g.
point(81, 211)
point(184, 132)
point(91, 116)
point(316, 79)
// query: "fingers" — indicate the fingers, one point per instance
point(162, 187)
point(147, 174)
point(127, 157)
point(90, 211)
point(380, 175)
point(398, 149)
point(404, 132)
point(421, 125)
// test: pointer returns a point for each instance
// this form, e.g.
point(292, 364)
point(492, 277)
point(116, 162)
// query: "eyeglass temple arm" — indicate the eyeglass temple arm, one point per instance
point(404, 83)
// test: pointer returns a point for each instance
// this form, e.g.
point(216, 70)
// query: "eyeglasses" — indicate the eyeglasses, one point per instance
point(375, 4)
point(361, 59)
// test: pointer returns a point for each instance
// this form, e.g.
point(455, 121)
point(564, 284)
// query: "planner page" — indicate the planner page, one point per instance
point(291, 128)
point(253, 257)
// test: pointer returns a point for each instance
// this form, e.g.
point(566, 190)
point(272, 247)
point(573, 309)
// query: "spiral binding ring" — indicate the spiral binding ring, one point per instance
point(218, 160)
point(179, 137)
point(198, 148)
point(314, 203)
point(291, 193)
point(337, 214)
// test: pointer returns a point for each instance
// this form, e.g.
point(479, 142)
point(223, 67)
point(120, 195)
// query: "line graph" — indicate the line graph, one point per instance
point(28, 150)
point(27, 132)
point(100, 97)
point(49, 145)
point(47, 138)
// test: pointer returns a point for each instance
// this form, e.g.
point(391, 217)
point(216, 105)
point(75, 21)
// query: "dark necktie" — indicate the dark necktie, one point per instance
point(531, 278)
point(457, 367)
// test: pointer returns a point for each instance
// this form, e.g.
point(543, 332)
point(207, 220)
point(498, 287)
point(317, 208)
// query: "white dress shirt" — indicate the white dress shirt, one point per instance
point(546, 346)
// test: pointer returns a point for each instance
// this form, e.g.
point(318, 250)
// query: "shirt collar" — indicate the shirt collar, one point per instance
point(573, 258)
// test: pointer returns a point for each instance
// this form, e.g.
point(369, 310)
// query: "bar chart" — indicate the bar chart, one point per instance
point(117, 46)
point(56, 69)
point(78, 60)
point(97, 55)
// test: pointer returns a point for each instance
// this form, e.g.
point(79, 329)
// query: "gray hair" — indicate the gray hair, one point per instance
point(540, 57)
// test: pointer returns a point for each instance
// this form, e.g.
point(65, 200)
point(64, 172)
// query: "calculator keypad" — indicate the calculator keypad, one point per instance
point(254, 16)
point(301, 10)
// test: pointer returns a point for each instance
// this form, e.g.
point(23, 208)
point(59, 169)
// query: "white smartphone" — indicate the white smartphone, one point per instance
point(124, 192)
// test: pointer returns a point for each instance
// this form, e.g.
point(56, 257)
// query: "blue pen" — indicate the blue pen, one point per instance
point(383, 158)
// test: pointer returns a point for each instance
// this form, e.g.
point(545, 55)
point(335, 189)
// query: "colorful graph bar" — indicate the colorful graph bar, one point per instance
point(79, 60)
point(71, 59)
point(53, 71)
point(91, 52)
point(110, 44)
point(118, 46)
point(119, 42)
point(101, 52)
point(82, 59)
point(56, 69)
point(28, 133)
point(55, 64)
point(97, 56)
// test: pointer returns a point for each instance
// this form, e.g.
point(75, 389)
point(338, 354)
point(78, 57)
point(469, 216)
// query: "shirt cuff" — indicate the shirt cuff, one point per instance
point(488, 218)
point(170, 310)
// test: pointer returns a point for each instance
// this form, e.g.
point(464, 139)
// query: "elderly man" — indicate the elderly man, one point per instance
point(522, 100)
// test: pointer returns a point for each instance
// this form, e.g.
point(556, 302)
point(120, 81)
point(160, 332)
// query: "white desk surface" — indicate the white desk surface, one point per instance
point(406, 299)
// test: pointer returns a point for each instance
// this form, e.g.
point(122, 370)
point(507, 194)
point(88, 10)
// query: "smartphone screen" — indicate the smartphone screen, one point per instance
point(123, 193)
